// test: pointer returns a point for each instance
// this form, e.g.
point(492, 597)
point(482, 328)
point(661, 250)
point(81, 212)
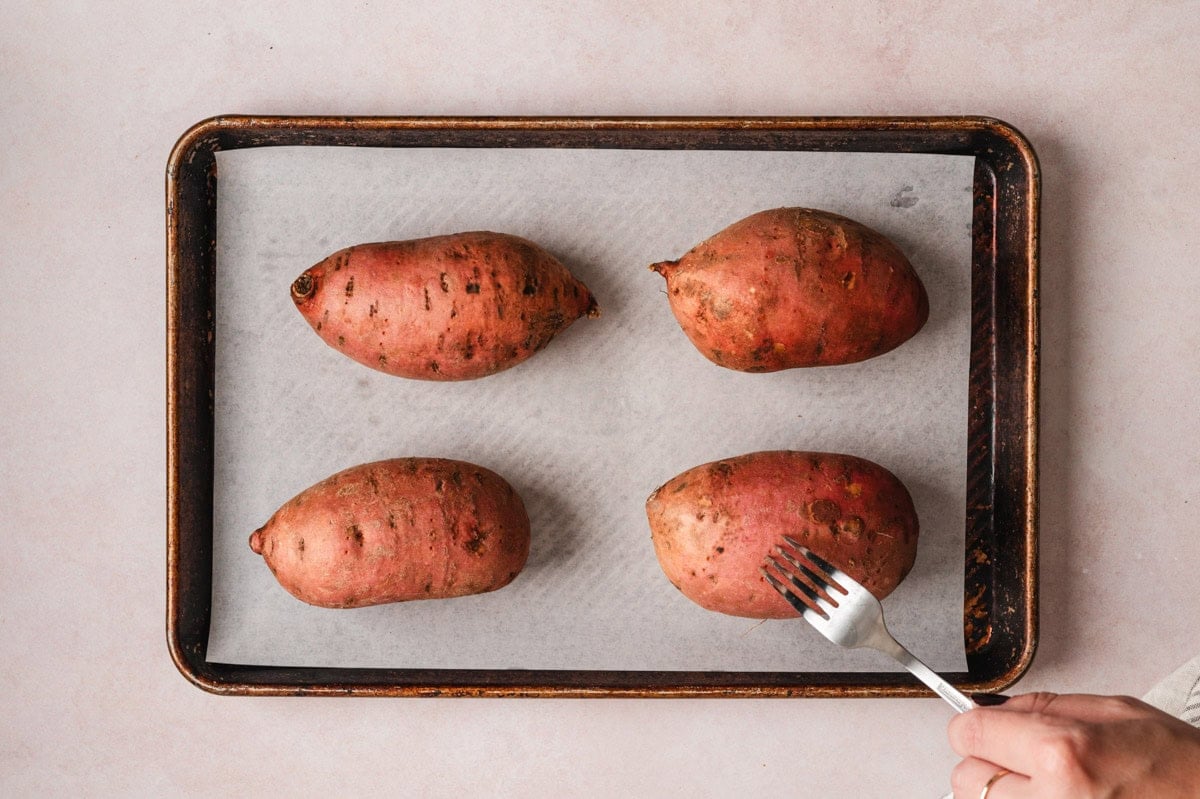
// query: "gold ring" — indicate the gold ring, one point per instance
point(999, 775)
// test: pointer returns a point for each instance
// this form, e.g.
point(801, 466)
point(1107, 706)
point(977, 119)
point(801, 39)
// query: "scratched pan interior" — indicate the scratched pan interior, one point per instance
point(1000, 588)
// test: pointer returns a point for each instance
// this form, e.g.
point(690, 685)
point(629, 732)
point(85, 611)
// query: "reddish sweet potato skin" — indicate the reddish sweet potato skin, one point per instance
point(396, 530)
point(713, 525)
point(794, 287)
point(454, 307)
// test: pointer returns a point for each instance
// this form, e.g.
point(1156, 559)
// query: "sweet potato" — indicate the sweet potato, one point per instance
point(713, 525)
point(451, 307)
point(795, 287)
point(390, 531)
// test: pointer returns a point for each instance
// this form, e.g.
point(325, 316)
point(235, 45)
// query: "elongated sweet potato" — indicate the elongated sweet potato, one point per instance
point(390, 531)
point(451, 307)
point(795, 287)
point(713, 525)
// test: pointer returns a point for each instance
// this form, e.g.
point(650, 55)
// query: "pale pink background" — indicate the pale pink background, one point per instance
point(91, 99)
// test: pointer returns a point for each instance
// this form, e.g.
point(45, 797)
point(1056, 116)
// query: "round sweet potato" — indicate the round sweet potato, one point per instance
point(795, 287)
point(713, 525)
point(452, 307)
point(410, 528)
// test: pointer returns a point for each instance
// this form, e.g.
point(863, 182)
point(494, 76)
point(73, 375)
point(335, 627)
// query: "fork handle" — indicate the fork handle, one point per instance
point(957, 699)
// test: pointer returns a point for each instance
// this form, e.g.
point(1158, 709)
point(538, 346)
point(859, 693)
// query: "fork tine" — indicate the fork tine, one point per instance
point(791, 579)
point(822, 584)
point(799, 604)
point(816, 603)
point(825, 566)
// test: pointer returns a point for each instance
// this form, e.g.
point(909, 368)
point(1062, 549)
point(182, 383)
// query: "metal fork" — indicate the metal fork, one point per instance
point(845, 612)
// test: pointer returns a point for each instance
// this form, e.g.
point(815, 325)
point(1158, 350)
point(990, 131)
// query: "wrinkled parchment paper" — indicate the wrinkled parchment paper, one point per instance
point(586, 429)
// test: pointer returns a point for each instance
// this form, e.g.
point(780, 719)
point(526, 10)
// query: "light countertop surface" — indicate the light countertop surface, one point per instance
point(93, 97)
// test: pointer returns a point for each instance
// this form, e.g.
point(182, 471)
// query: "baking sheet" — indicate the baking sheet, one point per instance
point(586, 429)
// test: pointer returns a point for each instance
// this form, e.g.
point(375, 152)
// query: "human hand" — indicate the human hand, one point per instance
point(1074, 746)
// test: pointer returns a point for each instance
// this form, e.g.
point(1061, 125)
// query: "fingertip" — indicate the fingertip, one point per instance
point(963, 732)
point(1036, 702)
point(989, 700)
point(1000, 734)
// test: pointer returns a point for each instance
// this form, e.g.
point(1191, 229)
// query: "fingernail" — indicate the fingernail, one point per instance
point(989, 700)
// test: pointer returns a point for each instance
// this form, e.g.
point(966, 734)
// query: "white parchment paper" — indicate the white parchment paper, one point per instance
point(586, 429)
